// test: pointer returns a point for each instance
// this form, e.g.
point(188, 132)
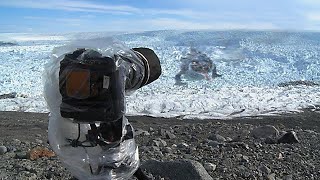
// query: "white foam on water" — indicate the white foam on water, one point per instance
point(24, 104)
point(223, 103)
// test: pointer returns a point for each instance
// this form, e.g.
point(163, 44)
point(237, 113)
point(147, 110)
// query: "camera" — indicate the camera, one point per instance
point(91, 87)
point(85, 87)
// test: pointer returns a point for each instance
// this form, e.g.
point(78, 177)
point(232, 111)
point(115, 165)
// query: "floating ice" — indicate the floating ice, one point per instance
point(252, 65)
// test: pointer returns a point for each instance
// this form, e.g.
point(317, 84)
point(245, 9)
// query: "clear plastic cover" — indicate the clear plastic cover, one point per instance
point(107, 47)
point(98, 162)
point(77, 83)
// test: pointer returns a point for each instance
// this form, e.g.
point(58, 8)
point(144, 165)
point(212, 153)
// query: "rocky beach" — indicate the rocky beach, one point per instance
point(269, 147)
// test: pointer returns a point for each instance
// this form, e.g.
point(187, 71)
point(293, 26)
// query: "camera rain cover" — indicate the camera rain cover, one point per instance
point(85, 83)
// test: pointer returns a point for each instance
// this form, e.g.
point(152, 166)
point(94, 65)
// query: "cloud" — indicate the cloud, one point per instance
point(90, 6)
point(88, 16)
point(309, 1)
point(188, 14)
point(313, 16)
point(67, 20)
point(70, 5)
point(172, 23)
point(168, 23)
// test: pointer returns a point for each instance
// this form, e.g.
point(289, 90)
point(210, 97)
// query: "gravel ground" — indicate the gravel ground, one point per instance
point(242, 148)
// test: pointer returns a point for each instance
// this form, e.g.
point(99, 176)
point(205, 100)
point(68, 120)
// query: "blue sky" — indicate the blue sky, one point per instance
point(43, 16)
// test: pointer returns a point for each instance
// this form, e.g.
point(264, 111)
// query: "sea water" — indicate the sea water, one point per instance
point(263, 73)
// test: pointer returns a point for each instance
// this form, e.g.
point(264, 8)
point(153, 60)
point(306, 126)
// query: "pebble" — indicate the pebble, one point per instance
point(238, 156)
point(141, 132)
point(210, 166)
point(3, 150)
point(21, 155)
point(167, 150)
point(166, 133)
point(187, 156)
point(239, 144)
point(311, 131)
point(194, 139)
point(217, 137)
point(9, 155)
point(163, 143)
point(280, 156)
point(161, 132)
point(213, 143)
point(264, 169)
point(16, 141)
point(11, 149)
point(246, 174)
point(182, 145)
point(271, 176)
point(39, 141)
point(29, 168)
point(154, 148)
point(287, 177)
point(245, 159)
point(170, 135)
point(28, 175)
point(158, 142)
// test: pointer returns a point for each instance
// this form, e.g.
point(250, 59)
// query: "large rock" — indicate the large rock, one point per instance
point(290, 137)
point(3, 150)
point(177, 170)
point(267, 131)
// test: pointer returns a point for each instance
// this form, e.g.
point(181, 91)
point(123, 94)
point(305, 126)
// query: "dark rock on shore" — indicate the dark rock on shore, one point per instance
point(267, 131)
point(3, 150)
point(2, 43)
point(290, 137)
point(297, 83)
point(177, 170)
point(7, 96)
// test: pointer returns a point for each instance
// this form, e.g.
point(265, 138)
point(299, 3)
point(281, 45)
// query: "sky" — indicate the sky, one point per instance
point(63, 16)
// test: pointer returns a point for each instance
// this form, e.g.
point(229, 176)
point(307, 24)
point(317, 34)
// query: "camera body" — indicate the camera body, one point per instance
point(92, 87)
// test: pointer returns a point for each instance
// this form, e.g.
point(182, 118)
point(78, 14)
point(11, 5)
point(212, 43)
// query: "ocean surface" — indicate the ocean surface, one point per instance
point(263, 73)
